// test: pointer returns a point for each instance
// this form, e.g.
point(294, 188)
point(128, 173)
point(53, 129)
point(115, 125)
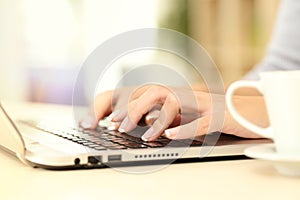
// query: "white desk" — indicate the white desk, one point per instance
point(245, 179)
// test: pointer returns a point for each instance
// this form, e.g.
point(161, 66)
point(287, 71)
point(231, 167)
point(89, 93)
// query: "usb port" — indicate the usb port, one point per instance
point(94, 159)
point(114, 158)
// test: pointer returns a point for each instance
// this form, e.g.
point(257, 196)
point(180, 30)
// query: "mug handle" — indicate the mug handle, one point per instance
point(265, 132)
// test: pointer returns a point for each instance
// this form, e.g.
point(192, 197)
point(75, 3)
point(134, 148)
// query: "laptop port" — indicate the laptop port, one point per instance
point(94, 160)
point(114, 158)
point(77, 161)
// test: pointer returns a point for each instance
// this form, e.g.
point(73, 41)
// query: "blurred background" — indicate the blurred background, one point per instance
point(44, 42)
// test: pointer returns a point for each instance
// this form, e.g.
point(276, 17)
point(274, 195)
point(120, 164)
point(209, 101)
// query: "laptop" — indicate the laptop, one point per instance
point(55, 144)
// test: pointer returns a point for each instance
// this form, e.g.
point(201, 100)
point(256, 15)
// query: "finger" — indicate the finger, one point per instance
point(178, 120)
point(151, 117)
point(102, 104)
point(198, 127)
point(128, 94)
point(140, 91)
point(118, 115)
point(140, 106)
point(88, 122)
point(184, 119)
point(101, 107)
point(168, 113)
point(123, 97)
point(109, 125)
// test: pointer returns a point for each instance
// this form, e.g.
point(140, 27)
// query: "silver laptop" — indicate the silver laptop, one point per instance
point(60, 146)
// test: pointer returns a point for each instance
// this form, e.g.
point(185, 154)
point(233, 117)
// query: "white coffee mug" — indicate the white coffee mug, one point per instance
point(281, 91)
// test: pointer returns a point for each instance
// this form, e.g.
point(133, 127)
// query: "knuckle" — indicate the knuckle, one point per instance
point(158, 93)
point(132, 112)
point(172, 100)
point(154, 89)
point(99, 97)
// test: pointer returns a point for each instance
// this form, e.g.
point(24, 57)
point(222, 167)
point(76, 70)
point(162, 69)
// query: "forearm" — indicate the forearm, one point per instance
point(252, 108)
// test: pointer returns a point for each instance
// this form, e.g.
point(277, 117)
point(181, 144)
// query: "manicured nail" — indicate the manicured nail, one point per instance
point(104, 123)
point(113, 126)
point(113, 115)
point(170, 134)
point(148, 135)
point(124, 125)
point(87, 123)
point(150, 119)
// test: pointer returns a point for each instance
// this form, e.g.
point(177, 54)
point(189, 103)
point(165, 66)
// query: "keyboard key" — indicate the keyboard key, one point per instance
point(106, 143)
point(119, 140)
point(100, 148)
point(88, 143)
point(75, 139)
point(135, 145)
point(81, 141)
point(94, 145)
point(162, 140)
point(153, 144)
point(117, 147)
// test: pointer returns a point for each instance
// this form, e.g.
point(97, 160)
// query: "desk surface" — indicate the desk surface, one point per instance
point(243, 179)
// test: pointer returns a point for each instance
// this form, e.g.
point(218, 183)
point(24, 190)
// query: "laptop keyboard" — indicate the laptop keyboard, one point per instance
point(104, 139)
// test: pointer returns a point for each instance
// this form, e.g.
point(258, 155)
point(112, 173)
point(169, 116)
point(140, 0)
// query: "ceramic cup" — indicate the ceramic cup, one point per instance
point(281, 91)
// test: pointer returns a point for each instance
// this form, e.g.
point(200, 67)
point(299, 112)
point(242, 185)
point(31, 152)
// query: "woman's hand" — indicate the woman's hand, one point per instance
point(177, 113)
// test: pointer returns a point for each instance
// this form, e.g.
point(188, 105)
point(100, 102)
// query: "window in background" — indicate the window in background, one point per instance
point(234, 32)
point(45, 42)
point(13, 81)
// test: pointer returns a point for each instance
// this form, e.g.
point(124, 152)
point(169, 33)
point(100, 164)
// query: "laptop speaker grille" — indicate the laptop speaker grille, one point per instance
point(158, 155)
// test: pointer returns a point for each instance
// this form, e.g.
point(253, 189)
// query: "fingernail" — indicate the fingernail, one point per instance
point(104, 123)
point(170, 133)
point(124, 125)
point(150, 119)
point(113, 126)
point(113, 115)
point(149, 133)
point(87, 123)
